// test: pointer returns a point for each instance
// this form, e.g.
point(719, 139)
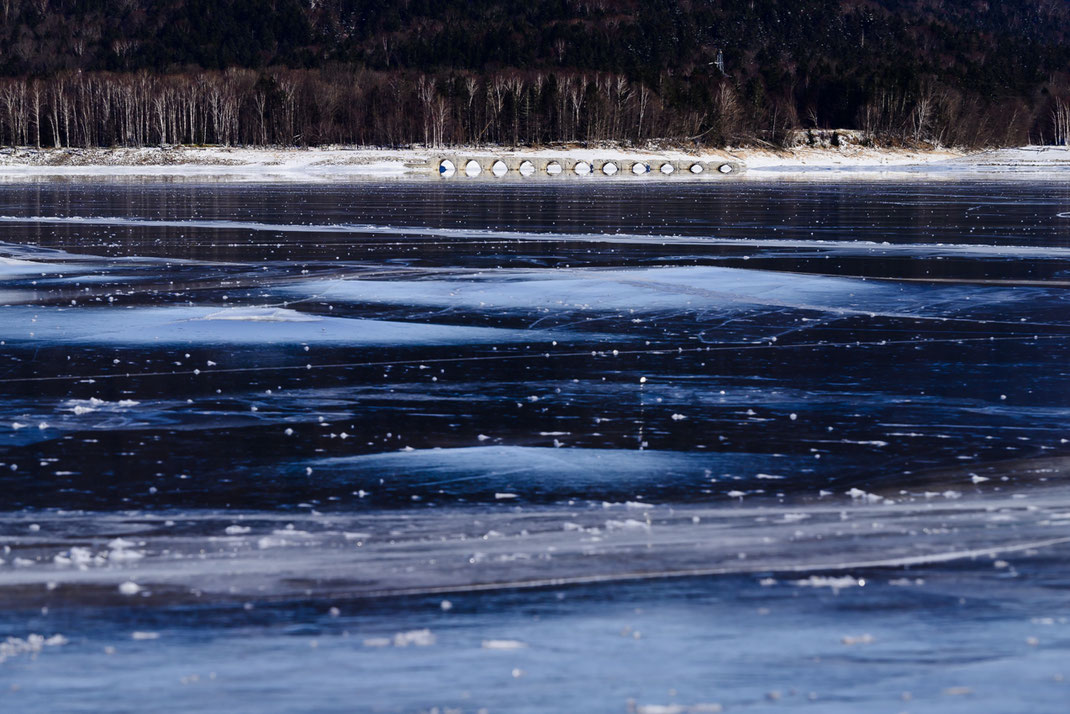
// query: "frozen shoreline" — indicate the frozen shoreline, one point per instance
point(341, 164)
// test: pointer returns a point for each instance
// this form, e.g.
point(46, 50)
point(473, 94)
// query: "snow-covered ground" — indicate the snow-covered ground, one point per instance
point(352, 163)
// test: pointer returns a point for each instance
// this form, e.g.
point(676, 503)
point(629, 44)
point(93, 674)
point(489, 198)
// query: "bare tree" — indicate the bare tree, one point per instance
point(515, 85)
point(425, 90)
point(35, 114)
point(921, 115)
point(1060, 116)
point(644, 101)
point(497, 90)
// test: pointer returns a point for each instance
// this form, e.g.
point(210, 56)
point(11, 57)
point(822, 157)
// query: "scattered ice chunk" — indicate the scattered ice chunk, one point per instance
point(906, 582)
point(859, 640)
point(958, 691)
point(626, 525)
point(123, 554)
point(79, 557)
point(237, 530)
point(858, 494)
point(377, 642)
point(129, 588)
point(32, 645)
point(418, 638)
point(272, 542)
point(138, 635)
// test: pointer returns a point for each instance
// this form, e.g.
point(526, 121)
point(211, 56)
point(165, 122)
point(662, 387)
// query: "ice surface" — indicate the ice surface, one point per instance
point(660, 289)
point(728, 443)
point(13, 267)
point(839, 245)
point(510, 472)
point(831, 543)
point(235, 326)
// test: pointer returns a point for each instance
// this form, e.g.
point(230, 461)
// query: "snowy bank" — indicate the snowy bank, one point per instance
point(334, 164)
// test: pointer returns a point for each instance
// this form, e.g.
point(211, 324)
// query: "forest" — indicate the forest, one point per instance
point(699, 72)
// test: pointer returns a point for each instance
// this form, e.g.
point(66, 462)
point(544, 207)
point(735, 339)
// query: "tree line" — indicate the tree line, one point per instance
point(341, 105)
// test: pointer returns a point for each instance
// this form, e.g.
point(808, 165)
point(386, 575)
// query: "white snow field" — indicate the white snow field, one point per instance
point(333, 164)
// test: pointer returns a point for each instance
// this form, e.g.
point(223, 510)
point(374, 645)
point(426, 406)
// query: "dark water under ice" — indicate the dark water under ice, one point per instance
point(581, 447)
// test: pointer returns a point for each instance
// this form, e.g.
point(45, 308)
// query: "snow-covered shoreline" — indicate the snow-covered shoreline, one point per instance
point(340, 164)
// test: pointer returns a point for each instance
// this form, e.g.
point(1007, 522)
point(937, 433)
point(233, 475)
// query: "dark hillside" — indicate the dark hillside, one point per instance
point(957, 71)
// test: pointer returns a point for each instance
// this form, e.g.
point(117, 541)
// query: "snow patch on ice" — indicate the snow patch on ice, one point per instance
point(257, 314)
point(833, 582)
point(702, 708)
point(32, 645)
point(237, 326)
point(503, 645)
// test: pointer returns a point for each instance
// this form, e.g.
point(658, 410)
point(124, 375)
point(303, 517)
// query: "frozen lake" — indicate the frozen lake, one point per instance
point(614, 447)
